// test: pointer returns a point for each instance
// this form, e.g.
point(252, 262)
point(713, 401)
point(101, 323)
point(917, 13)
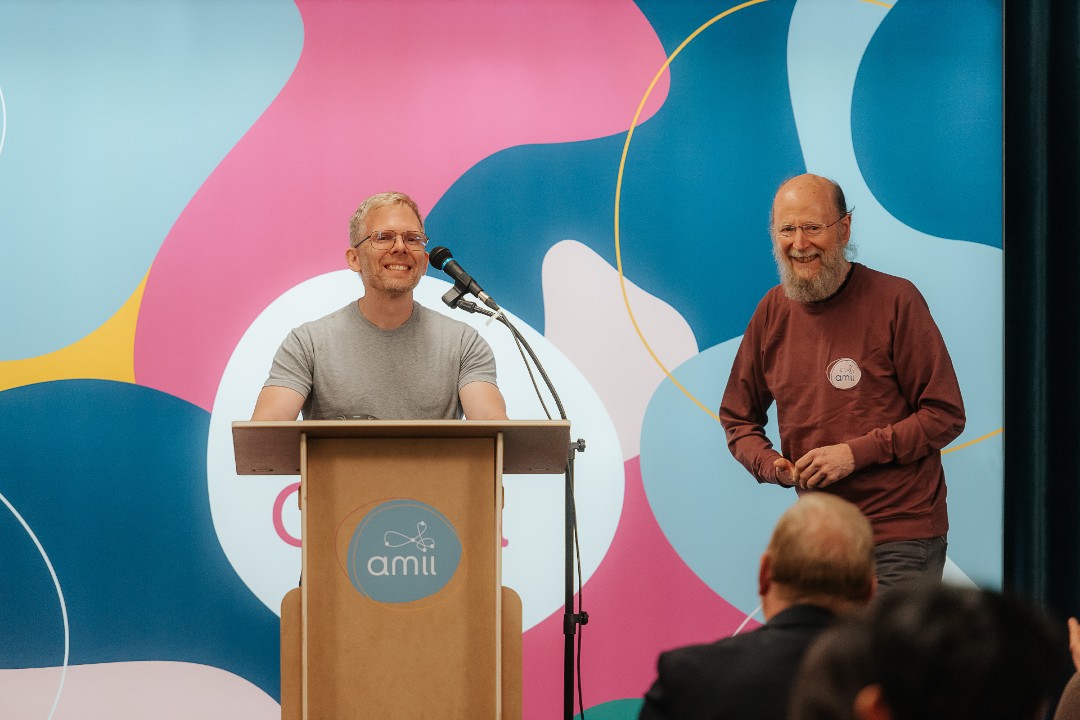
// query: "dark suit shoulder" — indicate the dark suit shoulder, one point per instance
point(747, 676)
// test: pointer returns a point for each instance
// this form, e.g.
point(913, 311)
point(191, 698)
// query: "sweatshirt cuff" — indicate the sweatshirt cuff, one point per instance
point(768, 472)
point(864, 451)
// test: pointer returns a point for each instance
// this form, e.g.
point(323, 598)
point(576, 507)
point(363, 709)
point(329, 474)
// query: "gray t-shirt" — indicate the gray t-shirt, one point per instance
point(347, 367)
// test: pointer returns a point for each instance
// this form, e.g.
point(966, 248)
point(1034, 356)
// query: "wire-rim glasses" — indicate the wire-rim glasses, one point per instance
point(809, 229)
point(384, 239)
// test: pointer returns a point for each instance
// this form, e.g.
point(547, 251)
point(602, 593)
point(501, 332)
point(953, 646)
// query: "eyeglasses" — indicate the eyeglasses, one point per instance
point(809, 229)
point(383, 239)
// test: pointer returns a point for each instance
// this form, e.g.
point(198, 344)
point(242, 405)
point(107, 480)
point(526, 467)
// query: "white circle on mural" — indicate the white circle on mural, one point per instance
point(256, 517)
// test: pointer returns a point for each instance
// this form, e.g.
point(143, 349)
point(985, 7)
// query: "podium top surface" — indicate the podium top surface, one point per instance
point(273, 448)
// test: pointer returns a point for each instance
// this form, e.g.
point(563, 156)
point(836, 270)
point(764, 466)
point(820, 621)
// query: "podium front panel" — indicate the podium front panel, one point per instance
point(401, 579)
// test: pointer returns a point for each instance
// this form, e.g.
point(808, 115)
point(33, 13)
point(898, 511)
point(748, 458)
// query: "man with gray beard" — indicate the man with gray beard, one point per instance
point(865, 391)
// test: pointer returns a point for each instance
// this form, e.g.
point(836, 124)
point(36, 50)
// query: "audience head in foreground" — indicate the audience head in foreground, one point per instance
point(933, 652)
point(821, 553)
point(819, 562)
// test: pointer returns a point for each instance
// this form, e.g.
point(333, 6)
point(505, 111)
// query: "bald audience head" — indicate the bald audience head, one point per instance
point(821, 553)
point(819, 563)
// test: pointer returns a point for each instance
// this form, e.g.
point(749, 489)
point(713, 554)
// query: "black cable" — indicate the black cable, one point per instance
point(582, 615)
point(579, 619)
point(472, 307)
point(532, 378)
point(536, 361)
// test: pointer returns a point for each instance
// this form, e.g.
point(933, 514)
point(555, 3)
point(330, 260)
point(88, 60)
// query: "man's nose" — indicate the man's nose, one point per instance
point(800, 240)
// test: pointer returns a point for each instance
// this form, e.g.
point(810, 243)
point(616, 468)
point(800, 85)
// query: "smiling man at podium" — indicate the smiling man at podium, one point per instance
point(385, 356)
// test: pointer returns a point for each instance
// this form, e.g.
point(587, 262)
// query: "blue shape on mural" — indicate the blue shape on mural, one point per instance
point(164, 90)
point(697, 187)
point(674, 20)
point(112, 480)
point(926, 125)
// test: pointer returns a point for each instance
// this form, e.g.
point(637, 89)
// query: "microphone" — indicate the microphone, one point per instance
point(442, 259)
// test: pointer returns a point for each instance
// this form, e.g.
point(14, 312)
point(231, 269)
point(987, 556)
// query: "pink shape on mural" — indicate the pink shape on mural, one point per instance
point(639, 600)
point(386, 95)
point(279, 508)
point(132, 690)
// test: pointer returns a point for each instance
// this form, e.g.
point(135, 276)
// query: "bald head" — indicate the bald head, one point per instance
point(811, 228)
point(822, 551)
point(811, 187)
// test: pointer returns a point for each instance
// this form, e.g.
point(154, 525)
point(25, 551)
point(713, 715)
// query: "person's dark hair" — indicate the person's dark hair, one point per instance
point(838, 197)
point(940, 652)
point(943, 652)
point(833, 671)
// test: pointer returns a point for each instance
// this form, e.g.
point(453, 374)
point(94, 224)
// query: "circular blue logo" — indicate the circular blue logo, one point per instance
point(403, 550)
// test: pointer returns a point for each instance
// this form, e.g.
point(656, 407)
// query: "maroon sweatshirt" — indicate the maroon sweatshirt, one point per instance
point(867, 367)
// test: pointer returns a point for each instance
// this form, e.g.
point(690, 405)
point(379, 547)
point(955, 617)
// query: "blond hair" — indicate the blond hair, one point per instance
point(358, 230)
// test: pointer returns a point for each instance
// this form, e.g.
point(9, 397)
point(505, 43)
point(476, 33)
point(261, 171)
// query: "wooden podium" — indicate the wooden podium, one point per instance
point(401, 613)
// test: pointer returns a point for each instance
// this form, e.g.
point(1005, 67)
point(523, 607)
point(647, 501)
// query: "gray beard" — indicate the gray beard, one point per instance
point(820, 287)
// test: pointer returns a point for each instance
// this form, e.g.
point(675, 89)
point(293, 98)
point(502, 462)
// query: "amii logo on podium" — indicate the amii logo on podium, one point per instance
point(403, 550)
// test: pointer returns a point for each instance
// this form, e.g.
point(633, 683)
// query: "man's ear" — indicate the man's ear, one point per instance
point(765, 574)
point(352, 259)
point(845, 223)
point(870, 704)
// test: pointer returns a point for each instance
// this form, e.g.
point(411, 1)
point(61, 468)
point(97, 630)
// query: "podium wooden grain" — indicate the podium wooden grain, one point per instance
point(454, 654)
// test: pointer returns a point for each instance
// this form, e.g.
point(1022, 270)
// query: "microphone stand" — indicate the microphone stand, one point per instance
point(453, 298)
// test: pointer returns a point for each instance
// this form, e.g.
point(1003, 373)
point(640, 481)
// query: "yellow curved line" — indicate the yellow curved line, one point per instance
point(107, 353)
point(618, 203)
point(618, 196)
point(969, 443)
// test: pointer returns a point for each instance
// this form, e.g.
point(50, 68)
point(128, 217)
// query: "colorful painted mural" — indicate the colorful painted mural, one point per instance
point(176, 179)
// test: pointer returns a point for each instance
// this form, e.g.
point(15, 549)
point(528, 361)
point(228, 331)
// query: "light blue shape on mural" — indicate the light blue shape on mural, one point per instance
point(719, 519)
point(714, 514)
point(115, 113)
point(976, 510)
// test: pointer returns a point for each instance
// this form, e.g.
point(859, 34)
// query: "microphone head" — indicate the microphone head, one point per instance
point(439, 255)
